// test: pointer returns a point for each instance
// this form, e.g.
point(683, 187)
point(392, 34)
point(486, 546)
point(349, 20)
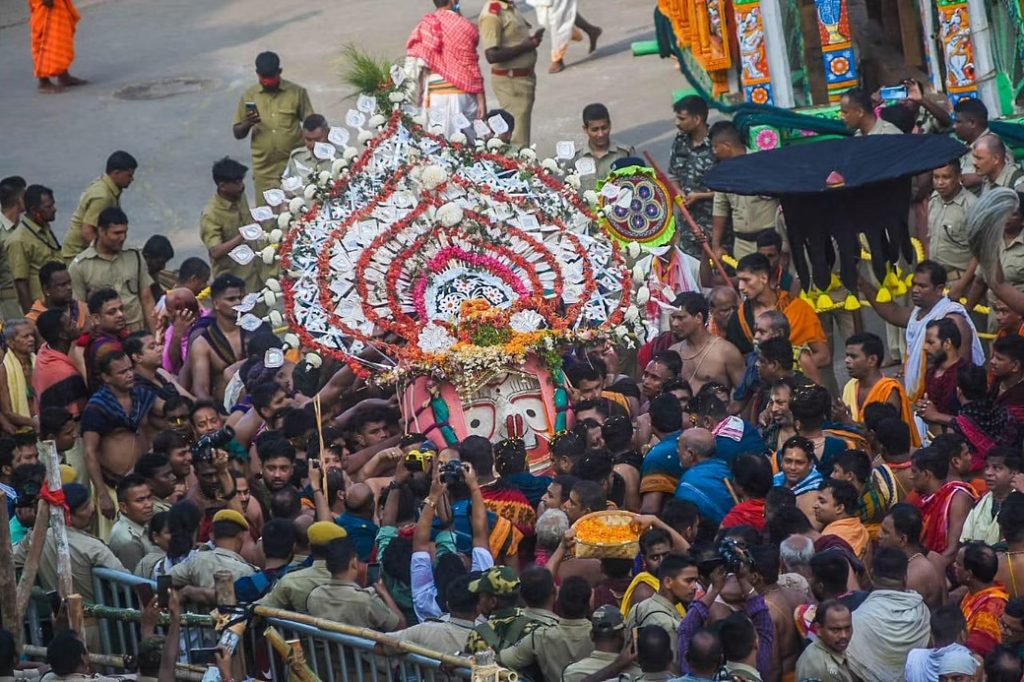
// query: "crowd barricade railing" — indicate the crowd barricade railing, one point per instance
point(338, 652)
point(119, 590)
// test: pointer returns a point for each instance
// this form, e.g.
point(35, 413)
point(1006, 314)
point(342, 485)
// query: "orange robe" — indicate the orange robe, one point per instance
point(851, 530)
point(53, 36)
point(880, 393)
point(982, 612)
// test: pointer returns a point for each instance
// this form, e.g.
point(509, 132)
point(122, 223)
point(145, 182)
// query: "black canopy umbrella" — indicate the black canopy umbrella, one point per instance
point(838, 189)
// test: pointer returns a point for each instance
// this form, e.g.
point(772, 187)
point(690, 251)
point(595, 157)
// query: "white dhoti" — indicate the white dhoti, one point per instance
point(558, 17)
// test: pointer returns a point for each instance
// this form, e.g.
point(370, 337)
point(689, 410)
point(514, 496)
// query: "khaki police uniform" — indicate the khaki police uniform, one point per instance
point(656, 610)
point(821, 663)
point(882, 127)
point(199, 570)
point(291, 592)
point(125, 273)
point(1011, 259)
point(750, 217)
point(144, 569)
point(86, 552)
point(553, 648)
point(302, 163)
point(445, 634)
point(595, 662)
point(219, 223)
point(947, 232)
point(514, 82)
point(1011, 176)
point(278, 132)
point(540, 616)
point(30, 247)
point(9, 306)
point(346, 602)
point(129, 541)
point(101, 193)
point(602, 164)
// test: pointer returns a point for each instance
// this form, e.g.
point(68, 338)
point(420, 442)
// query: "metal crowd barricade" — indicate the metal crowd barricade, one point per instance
point(117, 589)
point(340, 657)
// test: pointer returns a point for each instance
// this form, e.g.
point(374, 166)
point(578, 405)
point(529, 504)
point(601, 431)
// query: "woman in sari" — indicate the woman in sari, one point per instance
point(799, 473)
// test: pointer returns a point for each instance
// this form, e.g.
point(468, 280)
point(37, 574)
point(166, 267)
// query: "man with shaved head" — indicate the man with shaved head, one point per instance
point(182, 311)
point(990, 162)
point(724, 302)
point(357, 519)
point(704, 475)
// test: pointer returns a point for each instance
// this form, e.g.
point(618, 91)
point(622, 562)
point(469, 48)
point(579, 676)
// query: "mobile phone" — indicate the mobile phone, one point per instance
point(145, 592)
point(163, 591)
point(372, 573)
point(251, 106)
point(202, 656)
point(894, 92)
point(229, 640)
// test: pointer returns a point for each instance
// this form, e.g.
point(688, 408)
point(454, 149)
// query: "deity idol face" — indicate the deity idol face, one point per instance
point(510, 405)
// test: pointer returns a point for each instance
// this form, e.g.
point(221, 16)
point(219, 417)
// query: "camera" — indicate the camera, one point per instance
point(418, 460)
point(451, 472)
point(734, 554)
point(202, 449)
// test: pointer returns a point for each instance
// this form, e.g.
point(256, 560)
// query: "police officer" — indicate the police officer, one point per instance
point(342, 600)
point(512, 53)
point(555, 647)
point(272, 110)
point(195, 577)
point(303, 162)
point(498, 593)
point(608, 632)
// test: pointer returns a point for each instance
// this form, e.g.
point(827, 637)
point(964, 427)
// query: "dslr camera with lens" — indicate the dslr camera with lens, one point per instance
point(202, 449)
point(451, 472)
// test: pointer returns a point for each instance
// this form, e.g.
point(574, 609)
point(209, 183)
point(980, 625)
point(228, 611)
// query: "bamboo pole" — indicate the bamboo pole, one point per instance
point(8, 588)
point(193, 673)
point(365, 633)
point(76, 615)
point(48, 453)
point(677, 197)
point(291, 652)
point(35, 550)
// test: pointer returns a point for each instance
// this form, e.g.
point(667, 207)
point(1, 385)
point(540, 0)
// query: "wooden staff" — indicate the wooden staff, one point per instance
point(8, 590)
point(677, 197)
point(48, 453)
point(31, 567)
point(291, 652)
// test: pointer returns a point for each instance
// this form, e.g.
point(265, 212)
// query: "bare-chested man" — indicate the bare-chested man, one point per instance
point(706, 358)
point(781, 601)
point(221, 343)
point(111, 429)
point(901, 528)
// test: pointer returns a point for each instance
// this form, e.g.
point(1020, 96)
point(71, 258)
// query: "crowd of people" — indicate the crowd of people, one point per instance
point(792, 526)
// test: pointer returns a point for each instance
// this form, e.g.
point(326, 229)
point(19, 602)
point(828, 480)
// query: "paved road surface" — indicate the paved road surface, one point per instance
point(62, 141)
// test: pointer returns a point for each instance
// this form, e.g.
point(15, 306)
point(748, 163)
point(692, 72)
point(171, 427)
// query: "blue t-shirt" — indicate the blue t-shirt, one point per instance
point(361, 532)
point(663, 458)
point(703, 485)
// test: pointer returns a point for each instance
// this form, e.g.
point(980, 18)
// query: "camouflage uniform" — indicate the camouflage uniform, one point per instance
point(506, 626)
point(687, 166)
